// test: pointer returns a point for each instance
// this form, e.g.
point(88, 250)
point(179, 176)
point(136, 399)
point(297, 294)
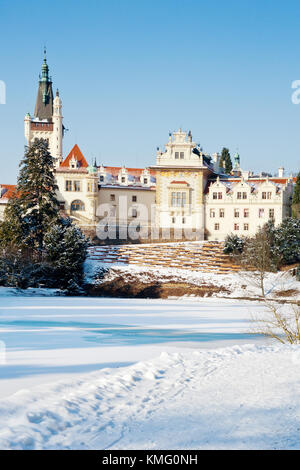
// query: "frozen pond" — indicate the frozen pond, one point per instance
point(48, 338)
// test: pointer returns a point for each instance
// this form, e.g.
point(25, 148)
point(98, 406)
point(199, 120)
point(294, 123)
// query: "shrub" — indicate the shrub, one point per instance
point(233, 244)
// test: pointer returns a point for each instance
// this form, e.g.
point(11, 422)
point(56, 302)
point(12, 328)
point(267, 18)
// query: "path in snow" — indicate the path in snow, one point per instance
point(50, 338)
point(239, 397)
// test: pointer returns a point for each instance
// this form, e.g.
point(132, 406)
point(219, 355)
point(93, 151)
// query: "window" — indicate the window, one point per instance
point(77, 206)
point(236, 212)
point(112, 197)
point(246, 227)
point(77, 186)
point(123, 179)
point(212, 213)
point(246, 212)
point(145, 180)
point(266, 195)
point(239, 195)
point(173, 199)
point(261, 213)
point(178, 199)
point(179, 155)
point(217, 226)
point(101, 178)
point(134, 198)
point(244, 195)
point(183, 220)
point(222, 213)
point(173, 220)
point(134, 213)
point(215, 195)
point(271, 213)
point(236, 227)
point(68, 185)
point(91, 187)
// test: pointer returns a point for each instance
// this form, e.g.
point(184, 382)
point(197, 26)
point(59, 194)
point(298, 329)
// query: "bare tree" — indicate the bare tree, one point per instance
point(258, 258)
point(280, 322)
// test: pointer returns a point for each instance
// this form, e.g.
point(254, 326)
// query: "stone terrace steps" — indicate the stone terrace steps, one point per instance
point(195, 256)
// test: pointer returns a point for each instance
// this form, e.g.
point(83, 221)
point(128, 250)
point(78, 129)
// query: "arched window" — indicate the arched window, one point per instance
point(77, 206)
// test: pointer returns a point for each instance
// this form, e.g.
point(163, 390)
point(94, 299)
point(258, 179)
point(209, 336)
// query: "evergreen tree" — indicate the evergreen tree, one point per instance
point(222, 163)
point(34, 208)
point(13, 228)
point(296, 195)
point(296, 199)
point(66, 249)
point(226, 160)
point(287, 241)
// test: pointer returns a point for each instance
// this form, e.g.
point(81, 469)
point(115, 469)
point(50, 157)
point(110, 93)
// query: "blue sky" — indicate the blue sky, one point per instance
point(130, 71)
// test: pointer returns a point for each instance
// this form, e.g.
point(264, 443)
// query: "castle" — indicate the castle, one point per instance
point(184, 195)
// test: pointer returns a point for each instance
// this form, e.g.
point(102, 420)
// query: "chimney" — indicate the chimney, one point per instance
point(245, 175)
point(281, 172)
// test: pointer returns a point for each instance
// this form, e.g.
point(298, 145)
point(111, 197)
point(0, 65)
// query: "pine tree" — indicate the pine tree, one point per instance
point(226, 160)
point(287, 241)
point(296, 195)
point(13, 228)
point(296, 199)
point(222, 163)
point(66, 249)
point(35, 207)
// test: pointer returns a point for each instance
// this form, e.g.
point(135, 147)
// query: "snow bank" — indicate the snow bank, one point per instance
point(238, 397)
point(238, 285)
point(30, 292)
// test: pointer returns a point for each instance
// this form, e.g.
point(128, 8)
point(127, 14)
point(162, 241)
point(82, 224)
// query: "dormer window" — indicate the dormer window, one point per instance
point(145, 180)
point(73, 162)
point(101, 178)
point(123, 179)
point(242, 195)
point(179, 155)
point(267, 195)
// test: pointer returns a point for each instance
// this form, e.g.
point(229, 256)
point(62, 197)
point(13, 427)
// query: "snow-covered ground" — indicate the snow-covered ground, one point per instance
point(115, 373)
point(237, 284)
point(47, 338)
point(238, 397)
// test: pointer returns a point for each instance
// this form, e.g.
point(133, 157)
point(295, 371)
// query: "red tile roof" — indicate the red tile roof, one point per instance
point(114, 170)
point(79, 157)
point(7, 190)
point(274, 179)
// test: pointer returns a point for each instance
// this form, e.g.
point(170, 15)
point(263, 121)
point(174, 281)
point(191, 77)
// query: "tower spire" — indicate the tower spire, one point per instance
point(44, 101)
point(45, 68)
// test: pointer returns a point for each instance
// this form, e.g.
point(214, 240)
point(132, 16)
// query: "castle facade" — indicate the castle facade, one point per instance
point(183, 195)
